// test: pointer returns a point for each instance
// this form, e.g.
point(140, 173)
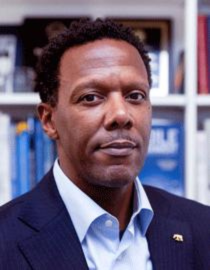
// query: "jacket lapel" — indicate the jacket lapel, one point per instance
point(169, 239)
point(53, 243)
point(167, 252)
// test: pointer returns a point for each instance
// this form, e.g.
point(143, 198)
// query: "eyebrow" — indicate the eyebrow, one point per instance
point(94, 83)
point(90, 84)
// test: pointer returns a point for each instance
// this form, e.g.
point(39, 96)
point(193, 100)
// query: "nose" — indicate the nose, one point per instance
point(118, 115)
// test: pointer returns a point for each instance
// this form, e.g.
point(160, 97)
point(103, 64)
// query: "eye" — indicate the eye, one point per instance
point(91, 99)
point(136, 96)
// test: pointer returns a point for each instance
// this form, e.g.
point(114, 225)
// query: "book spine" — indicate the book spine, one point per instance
point(207, 131)
point(164, 165)
point(202, 168)
point(31, 129)
point(5, 157)
point(203, 84)
point(39, 151)
point(14, 161)
point(48, 153)
point(23, 156)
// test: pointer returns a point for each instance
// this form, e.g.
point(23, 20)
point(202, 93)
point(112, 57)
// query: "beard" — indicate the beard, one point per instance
point(113, 176)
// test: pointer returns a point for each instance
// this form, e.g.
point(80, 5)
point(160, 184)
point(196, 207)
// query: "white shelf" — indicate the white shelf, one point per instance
point(203, 100)
point(21, 99)
point(14, 11)
point(25, 99)
point(169, 101)
point(90, 2)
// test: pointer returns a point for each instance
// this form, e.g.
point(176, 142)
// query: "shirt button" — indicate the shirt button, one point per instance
point(108, 223)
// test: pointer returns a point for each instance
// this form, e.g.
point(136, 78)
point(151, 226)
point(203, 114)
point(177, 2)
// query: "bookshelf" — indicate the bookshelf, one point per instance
point(183, 13)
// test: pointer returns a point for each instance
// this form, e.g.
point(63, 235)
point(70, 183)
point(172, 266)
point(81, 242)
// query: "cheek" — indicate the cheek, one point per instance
point(144, 127)
point(144, 118)
point(76, 128)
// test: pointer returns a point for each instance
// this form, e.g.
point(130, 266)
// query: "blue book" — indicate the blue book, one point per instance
point(39, 151)
point(31, 120)
point(22, 157)
point(14, 161)
point(164, 165)
point(45, 152)
point(49, 153)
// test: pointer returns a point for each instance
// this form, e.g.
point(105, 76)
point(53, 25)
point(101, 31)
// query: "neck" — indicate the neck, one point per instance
point(116, 201)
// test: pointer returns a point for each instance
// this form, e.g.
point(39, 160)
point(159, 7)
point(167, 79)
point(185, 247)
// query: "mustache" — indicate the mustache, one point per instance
point(109, 138)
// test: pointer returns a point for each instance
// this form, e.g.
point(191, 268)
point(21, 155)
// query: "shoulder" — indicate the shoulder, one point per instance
point(174, 214)
point(12, 208)
point(21, 217)
point(184, 209)
point(31, 210)
point(11, 229)
point(9, 214)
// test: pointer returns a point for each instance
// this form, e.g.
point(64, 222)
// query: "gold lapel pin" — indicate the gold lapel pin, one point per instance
point(178, 237)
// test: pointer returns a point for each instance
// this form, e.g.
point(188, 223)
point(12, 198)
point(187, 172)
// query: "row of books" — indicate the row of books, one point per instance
point(203, 54)
point(19, 54)
point(26, 155)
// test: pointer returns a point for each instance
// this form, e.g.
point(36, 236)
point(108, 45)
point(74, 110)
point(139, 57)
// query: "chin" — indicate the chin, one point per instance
point(113, 177)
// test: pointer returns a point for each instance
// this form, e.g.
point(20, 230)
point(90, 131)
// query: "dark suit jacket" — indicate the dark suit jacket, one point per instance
point(37, 233)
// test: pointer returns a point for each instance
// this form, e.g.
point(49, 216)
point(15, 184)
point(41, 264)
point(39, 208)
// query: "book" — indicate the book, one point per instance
point(203, 81)
point(49, 152)
point(22, 158)
point(14, 176)
point(156, 36)
point(7, 62)
point(207, 149)
point(45, 152)
point(31, 121)
point(5, 159)
point(33, 155)
point(204, 3)
point(179, 75)
point(202, 186)
point(39, 153)
point(164, 165)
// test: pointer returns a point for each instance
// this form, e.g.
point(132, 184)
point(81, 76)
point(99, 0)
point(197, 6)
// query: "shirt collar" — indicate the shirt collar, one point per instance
point(143, 207)
point(83, 210)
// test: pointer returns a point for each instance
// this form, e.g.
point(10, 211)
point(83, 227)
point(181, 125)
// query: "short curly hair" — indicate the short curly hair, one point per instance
point(79, 33)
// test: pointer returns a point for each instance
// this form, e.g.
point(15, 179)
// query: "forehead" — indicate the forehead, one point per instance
point(101, 57)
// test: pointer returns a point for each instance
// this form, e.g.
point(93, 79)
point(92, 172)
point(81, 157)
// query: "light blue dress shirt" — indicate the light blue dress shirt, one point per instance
point(98, 231)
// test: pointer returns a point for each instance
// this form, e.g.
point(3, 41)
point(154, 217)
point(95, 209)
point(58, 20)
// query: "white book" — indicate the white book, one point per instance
point(202, 187)
point(207, 149)
point(5, 159)
point(7, 62)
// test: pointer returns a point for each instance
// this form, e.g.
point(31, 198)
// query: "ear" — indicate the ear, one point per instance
point(46, 116)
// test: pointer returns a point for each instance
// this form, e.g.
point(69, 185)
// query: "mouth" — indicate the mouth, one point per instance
point(118, 148)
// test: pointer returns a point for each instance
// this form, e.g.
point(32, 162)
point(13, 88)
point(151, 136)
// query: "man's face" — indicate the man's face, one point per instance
point(103, 115)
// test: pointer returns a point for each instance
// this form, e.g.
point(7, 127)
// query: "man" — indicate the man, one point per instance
point(90, 211)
